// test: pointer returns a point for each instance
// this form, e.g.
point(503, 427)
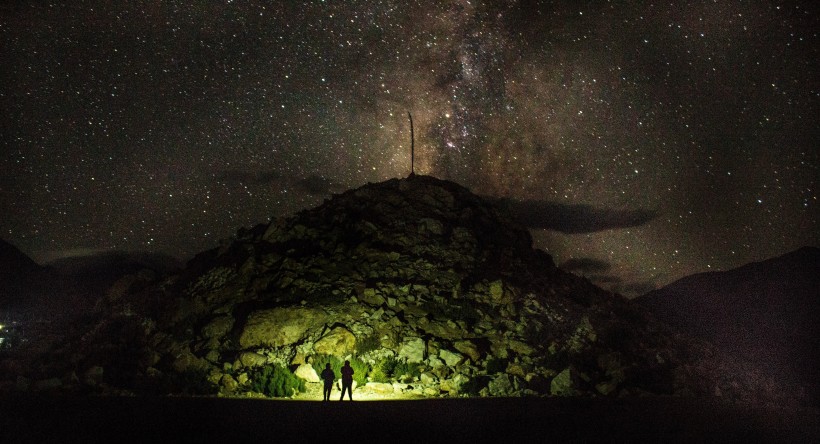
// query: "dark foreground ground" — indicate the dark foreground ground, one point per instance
point(29, 418)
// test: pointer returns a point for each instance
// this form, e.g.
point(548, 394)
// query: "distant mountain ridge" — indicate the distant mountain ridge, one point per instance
point(765, 312)
point(19, 274)
point(15, 261)
point(71, 284)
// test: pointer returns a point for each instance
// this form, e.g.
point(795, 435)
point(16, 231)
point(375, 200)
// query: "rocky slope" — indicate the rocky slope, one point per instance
point(765, 312)
point(418, 270)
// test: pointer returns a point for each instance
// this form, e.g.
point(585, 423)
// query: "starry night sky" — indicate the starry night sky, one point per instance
point(165, 126)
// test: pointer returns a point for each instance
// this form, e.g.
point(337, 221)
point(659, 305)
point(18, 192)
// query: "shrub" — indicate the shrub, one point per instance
point(406, 368)
point(393, 368)
point(319, 362)
point(368, 343)
point(383, 369)
point(360, 368)
point(275, 381)
point(377, 374)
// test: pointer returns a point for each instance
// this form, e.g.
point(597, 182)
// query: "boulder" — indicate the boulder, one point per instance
point(562, 384)
point(435, 362)
point(251, 359)
point(338, 342)
point(380, 388)
point(428, 378)
point(412, 349)
point(496, 290)
point(212, 356)
point(444, 330)
point(185, 361)
point(228, 383)
point(501, 385)
point(307, 372)
point(277, 327)
point(520, 347)
point(451, 358)
point(369, 296)
point(469, 349)
point(218, 327)
point(453, 385)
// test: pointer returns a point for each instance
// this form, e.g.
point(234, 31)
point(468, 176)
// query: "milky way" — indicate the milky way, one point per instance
point(166, 126)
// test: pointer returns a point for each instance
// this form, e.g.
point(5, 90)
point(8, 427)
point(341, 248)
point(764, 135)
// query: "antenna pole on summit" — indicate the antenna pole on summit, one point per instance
point(412, 147)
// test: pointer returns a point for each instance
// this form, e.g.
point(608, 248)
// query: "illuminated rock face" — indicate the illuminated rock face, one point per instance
point(417, 270)
point(277, 327)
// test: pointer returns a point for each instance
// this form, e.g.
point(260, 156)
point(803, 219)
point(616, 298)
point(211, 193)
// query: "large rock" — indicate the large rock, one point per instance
point(469, 349)
point(218, 327)
point(562, 384)
point(370, 296)
point(279, 326)
point(501, 385)
point(251, 359)
point(450, 358)
point(380, 388)
point(445, 330)
point(228, 383)
point(307, 372)
point(185, 361)
point(338, 342)
point(412, 349)
point(453, 385)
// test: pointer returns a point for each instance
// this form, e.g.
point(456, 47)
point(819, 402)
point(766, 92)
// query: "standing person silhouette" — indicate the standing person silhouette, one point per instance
point(328, 376)
point(347, 381)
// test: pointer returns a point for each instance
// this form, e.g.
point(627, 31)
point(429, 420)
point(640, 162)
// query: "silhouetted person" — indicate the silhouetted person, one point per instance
point(328, 376)
point(347, 381)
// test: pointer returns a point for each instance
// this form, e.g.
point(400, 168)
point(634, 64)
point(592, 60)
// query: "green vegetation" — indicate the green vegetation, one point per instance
point(360, 368)
point(407, 369)
point(368, 343)
point(319, 362)
point(275, 381)
point(383, 370)
point(391, 367)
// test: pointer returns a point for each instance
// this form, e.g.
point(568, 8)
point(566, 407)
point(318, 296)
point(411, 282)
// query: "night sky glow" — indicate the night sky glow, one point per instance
point(165, 126)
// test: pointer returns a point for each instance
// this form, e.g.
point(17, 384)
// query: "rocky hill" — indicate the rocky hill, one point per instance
point(765, 312)
point(429, 289)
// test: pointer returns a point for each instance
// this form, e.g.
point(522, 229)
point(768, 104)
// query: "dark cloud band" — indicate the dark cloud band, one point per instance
point(573, 218)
